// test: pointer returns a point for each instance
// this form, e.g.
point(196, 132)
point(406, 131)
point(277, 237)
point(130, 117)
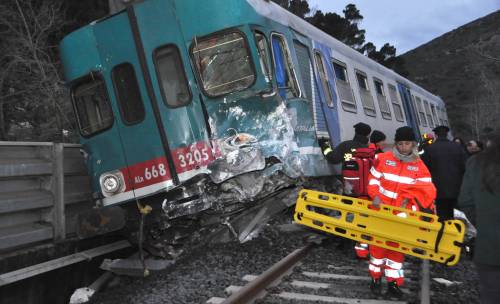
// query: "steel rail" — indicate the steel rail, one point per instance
point(256, 288)
point(425, 294)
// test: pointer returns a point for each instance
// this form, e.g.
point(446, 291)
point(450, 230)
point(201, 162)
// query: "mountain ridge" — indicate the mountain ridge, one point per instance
point(463, 67)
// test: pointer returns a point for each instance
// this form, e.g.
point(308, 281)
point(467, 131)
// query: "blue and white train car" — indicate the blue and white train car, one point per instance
point(362, 89)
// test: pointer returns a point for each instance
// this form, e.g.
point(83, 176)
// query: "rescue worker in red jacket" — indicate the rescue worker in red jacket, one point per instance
point(398, 178)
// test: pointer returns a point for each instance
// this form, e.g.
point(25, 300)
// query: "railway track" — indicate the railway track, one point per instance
point(302, 277)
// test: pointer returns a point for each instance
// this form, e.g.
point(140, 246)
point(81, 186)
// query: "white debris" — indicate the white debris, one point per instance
point(446, 282)
point(471, 231)
point(81, 295)
point(236, 112)
point(232, 156)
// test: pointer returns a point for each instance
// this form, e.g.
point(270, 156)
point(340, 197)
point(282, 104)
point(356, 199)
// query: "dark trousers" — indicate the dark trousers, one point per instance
point(489, 278)
point(445, 208)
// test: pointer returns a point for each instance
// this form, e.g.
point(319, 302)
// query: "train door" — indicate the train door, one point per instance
point(324, 112)
point(325, 78)
point(297, 101)
point(305, 65)
point(181, 113)
point(409, 108)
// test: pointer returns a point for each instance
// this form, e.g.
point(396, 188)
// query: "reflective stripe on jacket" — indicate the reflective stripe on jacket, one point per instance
point(393, 181)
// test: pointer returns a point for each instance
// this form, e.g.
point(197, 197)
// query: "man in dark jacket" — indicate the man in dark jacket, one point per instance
point(481, 193)
point(360, 140)
point(446, 162)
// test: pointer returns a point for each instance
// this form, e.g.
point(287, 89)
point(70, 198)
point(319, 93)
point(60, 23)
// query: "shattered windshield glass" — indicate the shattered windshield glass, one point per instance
point(223, 63)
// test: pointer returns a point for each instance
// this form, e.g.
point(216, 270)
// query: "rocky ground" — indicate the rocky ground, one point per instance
point(465, 287)
point(206, 272)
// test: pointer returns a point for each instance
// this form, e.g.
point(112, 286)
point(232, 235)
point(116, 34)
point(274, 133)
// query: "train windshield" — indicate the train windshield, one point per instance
point(223, 63)
point(92, 106)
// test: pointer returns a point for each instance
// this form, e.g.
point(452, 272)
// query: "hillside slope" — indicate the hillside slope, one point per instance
point(463, 67)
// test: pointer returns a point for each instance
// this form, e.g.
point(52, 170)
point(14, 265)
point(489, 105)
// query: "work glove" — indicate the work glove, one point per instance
point(376, 202)
point(421, 208)
point(325, 146)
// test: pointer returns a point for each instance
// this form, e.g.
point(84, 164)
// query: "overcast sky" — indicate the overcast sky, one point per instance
point(407, 24)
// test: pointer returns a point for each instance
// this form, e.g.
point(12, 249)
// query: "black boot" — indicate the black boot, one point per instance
point(393, 291)
point(376, 286)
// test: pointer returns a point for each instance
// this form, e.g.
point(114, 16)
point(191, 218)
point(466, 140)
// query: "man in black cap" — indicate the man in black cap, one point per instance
point(360, 140)
point(377, 141)
point(446, 162)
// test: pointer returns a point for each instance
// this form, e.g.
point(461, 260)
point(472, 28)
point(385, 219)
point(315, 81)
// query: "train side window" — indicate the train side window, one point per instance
point(304, 64)
point(433, 109)
point(171, 77)
point(223, 63)
point(396, 104)
point(420, 110)
point(366, 96)
point(92, 106)
point(416, 110)
point(442, 116)
point(324, 78)
point(283, 66)
point(428, 114)
point(128, 93)
point(344, 89)
point(264, 54)
point(382, 99)
point(340, 72)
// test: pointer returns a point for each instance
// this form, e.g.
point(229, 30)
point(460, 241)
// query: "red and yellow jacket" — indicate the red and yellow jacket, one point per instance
point(393, 181)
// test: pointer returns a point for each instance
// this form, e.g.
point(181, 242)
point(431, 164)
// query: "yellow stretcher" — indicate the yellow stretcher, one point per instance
point(410, 232)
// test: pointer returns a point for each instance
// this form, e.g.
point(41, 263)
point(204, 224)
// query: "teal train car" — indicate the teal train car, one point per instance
point(195, 105)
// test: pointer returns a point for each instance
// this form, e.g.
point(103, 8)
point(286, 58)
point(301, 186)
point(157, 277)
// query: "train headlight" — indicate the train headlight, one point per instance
point(112, 183)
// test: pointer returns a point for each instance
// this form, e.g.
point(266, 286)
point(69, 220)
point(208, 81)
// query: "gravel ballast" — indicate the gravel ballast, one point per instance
point(206, 272)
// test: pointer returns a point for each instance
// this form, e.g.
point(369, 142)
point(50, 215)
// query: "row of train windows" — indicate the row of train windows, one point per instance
point(347, 99)
point(433, 115)
point(428, 114)
point(223, 65)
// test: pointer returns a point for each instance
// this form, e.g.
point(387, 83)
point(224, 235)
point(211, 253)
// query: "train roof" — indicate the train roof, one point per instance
point(275, 12)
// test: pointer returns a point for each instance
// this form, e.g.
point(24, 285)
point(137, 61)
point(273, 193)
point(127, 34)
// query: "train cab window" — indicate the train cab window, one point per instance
point(396, 105)
point(171, 77)
point(366, 96)
point(420, 110)
point(92, 107)
point(428, 113)
point(382, 99)
point(283, 66)
point(344, 89)
point(128, 93)
point(324, 78)
point(264, 55)
point(223, 63)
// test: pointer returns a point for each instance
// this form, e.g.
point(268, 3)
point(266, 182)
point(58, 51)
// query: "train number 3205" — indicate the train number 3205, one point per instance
point(193, 157)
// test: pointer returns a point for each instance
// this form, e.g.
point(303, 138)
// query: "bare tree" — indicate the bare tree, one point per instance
point(32, 95)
